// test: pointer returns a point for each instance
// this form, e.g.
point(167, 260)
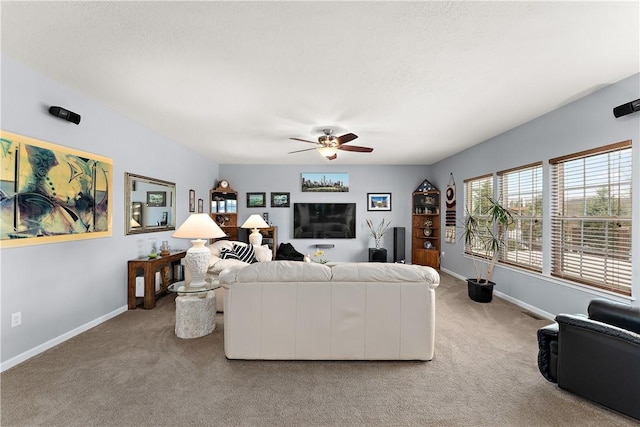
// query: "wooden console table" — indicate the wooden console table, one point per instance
point(149, 268)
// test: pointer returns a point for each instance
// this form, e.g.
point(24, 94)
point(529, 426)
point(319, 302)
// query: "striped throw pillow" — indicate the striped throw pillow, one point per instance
point(245, 253)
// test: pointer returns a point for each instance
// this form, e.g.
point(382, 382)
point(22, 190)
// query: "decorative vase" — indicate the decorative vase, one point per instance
point(153, 250)
point(164, 248)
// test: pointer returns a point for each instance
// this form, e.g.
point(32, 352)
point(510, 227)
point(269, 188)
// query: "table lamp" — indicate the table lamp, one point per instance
point(198, 227)
point(255, 221)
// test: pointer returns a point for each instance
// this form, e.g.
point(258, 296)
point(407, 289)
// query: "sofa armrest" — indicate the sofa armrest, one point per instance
point(548, 351)
point(603, 330)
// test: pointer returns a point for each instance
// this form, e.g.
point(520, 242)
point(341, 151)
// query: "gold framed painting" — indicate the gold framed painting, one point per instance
point(50, 193)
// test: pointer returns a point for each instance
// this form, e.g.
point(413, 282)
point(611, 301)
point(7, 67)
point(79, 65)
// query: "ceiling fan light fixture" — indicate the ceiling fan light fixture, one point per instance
point(328, 151)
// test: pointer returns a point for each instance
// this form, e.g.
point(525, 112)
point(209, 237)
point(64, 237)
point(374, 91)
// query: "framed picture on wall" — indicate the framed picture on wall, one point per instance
point(192, 200)
point(256, 200)
point(280, 200)
point(156, 198)
point(200, 206)
point(378, 201)
point(325, 182)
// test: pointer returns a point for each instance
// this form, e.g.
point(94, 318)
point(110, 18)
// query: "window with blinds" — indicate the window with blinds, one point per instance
point(591, 217)
point(476, 198)
point(520, 190)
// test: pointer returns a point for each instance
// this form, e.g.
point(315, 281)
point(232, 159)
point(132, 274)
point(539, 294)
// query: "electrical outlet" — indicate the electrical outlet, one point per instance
point(16, 319)
point(442, 254)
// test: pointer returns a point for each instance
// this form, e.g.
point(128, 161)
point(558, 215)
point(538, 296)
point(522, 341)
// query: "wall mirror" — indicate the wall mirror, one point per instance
point(150, 204)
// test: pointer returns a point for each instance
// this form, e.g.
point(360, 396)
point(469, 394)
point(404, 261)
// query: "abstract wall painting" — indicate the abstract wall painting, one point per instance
point(50, 193)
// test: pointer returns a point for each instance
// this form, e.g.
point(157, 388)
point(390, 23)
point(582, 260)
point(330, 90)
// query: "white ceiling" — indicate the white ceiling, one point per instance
point(417, 81)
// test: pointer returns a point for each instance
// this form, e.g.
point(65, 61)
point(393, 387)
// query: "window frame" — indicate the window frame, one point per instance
point(585, 246)
point(473, 188)
point(526, 187)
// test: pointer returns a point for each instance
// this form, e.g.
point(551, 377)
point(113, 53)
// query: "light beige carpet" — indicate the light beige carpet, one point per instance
point(134, 371)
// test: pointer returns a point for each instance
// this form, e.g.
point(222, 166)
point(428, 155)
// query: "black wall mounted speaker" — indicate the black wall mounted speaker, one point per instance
point(628, 108)
point(398, 244)
point(63, 113)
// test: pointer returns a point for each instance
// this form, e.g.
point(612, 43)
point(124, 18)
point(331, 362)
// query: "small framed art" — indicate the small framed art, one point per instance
point(280, 200)
point(378, 201)
point(156, 198)
point(192, 200)
point(200, 206)
point(256, 200)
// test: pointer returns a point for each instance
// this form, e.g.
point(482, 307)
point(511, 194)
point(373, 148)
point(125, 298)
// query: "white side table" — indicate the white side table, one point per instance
point(195, 309)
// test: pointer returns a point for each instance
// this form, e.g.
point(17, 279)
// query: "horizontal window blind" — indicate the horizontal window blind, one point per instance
point(476, 198)
point(591, 217)
point(520, 190)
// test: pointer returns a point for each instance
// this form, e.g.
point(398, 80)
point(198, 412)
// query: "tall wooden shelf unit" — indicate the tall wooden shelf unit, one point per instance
point(425, 226)
point(223, 203)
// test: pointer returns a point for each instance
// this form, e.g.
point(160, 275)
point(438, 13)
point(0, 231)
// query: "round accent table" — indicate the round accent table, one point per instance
point(195, 309)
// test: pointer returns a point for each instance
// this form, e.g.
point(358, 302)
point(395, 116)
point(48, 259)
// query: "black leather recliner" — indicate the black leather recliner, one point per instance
point(596, 357)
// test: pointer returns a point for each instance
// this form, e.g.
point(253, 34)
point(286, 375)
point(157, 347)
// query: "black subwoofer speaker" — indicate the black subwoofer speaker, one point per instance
point(398, 244)
point(65, 114)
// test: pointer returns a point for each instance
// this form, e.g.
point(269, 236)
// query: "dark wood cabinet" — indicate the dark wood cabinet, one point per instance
point(425, 228)
point(223, 205)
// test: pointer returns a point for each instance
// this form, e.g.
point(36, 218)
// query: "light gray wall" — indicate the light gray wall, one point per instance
point(581, 125)
point(400, 181)
point(61, 288)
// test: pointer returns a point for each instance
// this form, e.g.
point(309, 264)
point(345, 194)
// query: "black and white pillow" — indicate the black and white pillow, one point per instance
point(226, 253)
point(245, 253)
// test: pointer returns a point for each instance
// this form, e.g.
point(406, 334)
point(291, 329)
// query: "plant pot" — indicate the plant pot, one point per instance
point(480, 291)
point(377, 255)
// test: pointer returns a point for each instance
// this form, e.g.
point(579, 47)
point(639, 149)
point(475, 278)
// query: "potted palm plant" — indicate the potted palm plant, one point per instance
point(485, 236)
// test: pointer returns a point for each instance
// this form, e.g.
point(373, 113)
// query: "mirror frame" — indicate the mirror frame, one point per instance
point(171, 202)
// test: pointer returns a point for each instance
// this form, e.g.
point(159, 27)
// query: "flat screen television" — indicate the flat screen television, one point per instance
point(324, 220)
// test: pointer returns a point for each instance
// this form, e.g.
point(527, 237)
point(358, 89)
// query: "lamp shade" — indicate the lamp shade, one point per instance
point(255, 221)
point(328, 151)
point(199, 226)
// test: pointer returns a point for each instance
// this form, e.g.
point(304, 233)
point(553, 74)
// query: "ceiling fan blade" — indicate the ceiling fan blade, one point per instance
point(355, 148)
point(300, 151)
point(346, 138)
point(304, 140)
point(335, 156)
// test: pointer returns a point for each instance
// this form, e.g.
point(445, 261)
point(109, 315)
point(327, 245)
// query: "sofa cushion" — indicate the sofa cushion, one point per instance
point(282, 271)
point(383, 272)
point(222, 264)
point(263, 253)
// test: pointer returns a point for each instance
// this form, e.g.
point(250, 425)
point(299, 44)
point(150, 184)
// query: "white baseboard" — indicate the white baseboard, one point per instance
point(60, 339)
point(512, 300)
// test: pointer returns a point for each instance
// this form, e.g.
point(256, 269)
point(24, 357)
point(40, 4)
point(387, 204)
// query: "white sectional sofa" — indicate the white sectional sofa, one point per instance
point(350, 311)
point(218, 264)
